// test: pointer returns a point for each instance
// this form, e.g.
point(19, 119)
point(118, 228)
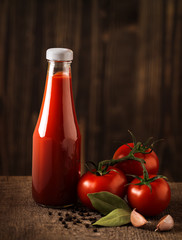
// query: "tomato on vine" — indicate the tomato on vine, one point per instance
point(109, 179)
point(134, 167)
point(149, 194)
point(143, 151)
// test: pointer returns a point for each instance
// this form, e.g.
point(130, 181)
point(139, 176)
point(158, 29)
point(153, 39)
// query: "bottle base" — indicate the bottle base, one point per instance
point(55, 207)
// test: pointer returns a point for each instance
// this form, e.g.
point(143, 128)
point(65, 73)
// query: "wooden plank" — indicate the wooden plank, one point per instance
point(158, 85)
point(113, 41)
point(8, 116)
point(4, 41)
point(148, 86)
point(21, 218)
point(172, 58)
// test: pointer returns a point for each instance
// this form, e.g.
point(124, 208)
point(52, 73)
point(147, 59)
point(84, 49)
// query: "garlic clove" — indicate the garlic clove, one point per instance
point(137, 219)
point(166, 223)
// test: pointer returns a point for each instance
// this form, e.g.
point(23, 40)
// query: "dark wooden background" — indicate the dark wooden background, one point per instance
point(127, 74)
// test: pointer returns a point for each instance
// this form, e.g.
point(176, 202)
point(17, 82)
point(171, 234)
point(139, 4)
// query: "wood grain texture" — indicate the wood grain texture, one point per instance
point(127, 72)
point(21, 218)
point(158, 82)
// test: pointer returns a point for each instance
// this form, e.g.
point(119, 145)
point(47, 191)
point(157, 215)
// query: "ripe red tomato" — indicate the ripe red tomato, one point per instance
point(113, 182)
point(146, 202)
point(134, 167)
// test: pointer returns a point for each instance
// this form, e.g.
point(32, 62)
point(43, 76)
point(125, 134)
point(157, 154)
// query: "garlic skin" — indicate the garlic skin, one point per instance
point(137, 219)
point(166, 223)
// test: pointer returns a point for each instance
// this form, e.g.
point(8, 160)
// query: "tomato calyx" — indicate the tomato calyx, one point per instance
point(103, 171)
point(99, 172)
point(146, 147)
point(146, 180)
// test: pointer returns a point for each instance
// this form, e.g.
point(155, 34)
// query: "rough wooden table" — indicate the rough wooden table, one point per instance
point(21, 218)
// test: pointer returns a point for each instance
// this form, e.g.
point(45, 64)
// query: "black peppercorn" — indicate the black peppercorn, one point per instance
point(81, 214)
point(61, 218)
point(66, 225)
point(68, 218)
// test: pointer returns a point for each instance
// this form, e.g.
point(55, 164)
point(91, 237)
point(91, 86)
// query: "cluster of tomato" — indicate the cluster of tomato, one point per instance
point(149, 195)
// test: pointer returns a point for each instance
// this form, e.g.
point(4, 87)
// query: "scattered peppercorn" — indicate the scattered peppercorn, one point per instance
point(81, 214)
point(63, 222)
point(95, 230)
point(50, 213)
point(59, 213)
point(87, 225)
point(66, 225)
point(92, 219)
point(61, 218)
point(68, 218)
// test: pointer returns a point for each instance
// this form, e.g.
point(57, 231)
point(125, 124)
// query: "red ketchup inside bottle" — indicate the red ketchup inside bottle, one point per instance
point(56, 144)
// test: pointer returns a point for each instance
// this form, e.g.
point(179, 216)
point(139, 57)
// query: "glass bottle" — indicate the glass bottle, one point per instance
point(56, 138)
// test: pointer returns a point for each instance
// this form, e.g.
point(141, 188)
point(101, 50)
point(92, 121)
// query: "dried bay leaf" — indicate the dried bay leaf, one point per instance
point(106, 202)
point(116, 218)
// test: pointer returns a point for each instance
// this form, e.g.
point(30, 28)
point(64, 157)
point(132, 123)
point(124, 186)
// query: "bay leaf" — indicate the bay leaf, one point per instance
point(105, 202)
point(116, 218)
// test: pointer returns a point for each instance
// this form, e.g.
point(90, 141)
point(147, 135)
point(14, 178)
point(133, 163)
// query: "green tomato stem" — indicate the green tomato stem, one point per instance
point(130, 156)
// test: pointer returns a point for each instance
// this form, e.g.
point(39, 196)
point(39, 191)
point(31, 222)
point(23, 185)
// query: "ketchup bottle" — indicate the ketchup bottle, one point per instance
point(56, 138)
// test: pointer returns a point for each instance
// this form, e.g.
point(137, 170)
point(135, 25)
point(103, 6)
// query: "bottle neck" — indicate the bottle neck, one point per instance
point(55, 66)
point(58, 98)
